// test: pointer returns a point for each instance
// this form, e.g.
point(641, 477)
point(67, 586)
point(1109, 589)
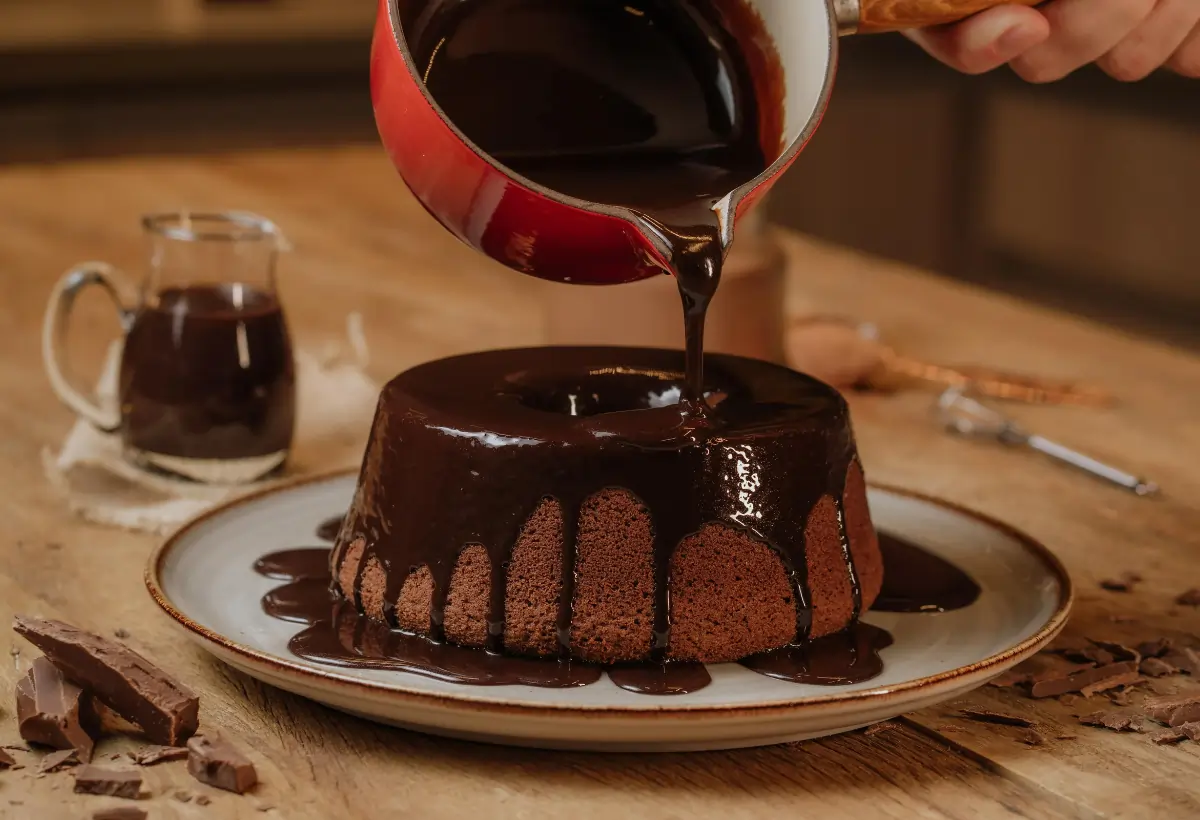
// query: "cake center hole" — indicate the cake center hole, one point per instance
point(596, 393)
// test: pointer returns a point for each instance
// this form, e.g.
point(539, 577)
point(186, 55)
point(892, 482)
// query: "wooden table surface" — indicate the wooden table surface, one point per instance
point(363, 245)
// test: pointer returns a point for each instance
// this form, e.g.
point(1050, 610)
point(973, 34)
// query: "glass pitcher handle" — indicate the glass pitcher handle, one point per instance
point(54, 330)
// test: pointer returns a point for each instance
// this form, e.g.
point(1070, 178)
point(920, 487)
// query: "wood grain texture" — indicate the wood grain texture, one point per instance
point(363, 244)
point(894, 15)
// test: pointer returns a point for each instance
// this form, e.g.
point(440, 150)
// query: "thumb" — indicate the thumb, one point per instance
point(985, 41)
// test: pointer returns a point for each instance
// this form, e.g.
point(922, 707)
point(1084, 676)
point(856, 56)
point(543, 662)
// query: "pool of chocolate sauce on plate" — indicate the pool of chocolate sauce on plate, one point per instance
point(915, 581)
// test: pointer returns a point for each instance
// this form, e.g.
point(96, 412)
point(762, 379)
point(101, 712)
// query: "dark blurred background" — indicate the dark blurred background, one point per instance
point(1083, 194)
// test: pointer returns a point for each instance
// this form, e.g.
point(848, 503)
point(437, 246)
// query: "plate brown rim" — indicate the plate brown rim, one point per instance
point(1016, 653)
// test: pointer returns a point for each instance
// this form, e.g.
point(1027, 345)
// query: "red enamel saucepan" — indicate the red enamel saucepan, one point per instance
point(540, 232)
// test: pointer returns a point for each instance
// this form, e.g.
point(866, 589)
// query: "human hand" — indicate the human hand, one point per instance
point(1128, 39)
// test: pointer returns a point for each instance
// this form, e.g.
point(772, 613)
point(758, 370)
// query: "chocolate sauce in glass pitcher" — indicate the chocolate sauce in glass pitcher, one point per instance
point(647, 104)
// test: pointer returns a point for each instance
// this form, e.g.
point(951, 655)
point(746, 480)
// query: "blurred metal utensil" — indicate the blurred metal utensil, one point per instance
point(962, 414)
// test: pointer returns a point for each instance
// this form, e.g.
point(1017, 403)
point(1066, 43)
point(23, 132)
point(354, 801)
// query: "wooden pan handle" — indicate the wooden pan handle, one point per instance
point(892, 15)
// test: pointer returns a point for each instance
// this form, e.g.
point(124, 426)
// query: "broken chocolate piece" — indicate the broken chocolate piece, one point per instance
point(1157, 668)
point(1119, 652)
point(986, 716)
point(1112, 720)
point(120, 813)
point(1156, 648)
point(1087, 678)
point(54, 712)
point(58, 760)
point(1187, 713)
point(159, 754)
point(166, 710)
point(1167, 736)
point(7, 761)
point(1190, 730)
point(1187, 659)
point(1120, 697)
point(1189, 598)
point(1161, 708)
point(93, 779)
point(215, 761)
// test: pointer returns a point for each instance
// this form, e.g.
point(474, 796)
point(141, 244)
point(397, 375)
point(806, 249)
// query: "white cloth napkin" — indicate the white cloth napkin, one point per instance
point(335, 399)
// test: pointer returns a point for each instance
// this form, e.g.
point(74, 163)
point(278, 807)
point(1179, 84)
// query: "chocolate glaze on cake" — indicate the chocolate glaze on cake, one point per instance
point(562, 501)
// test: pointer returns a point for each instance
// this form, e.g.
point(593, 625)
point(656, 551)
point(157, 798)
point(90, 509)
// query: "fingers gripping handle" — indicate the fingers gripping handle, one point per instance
point(54, 330)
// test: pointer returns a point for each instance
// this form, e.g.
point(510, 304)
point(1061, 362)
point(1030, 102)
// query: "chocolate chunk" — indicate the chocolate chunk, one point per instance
point(93, 779)
point(1157, 668)
point(215, 761)
point(159, 754)
point(167, 711)
point(1190, 730)
point(54, 712)
point(1167, 736)
point(1189, 598)
point(58, 760)
point(1187, 659)
point(7, 761)
point(1187, 713)
point(985, 716)
point(1112, 720)
point(120, 813)
point(1156, 648)
point(1088, 678)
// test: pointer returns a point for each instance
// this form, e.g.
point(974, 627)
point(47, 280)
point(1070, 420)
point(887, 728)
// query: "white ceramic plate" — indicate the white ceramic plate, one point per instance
point(202, 578)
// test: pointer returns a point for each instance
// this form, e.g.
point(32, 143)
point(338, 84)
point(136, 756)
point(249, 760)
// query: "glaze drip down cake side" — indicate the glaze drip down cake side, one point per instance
point(561, 501)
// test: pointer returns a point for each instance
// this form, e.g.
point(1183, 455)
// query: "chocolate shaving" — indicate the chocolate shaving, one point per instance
point(215, 761)
point(1088, 678)
point(1189, 598)
point(93, 779)
point(1112, 720)
point(1031, 737)
point(7, 761)
point(120, 813)
point(1157, 668)
point(1120, 652)
point(1156, 648)
point(1167, 736)
point(137, 690)
point(58, 760)
point(54, 712)
point(159, 754)
point(1122, 680)
point(985, 716)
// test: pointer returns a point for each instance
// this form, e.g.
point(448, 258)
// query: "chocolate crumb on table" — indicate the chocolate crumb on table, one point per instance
point(54, 712)
point(121, 634)
point(1190, 730)
point(159, 754)
point(1031, 737)
point(215, 761)
point(1124, 583)
point(986, 716)
point(93, 779)
point(182, 796)
point(7, 761)
point(1112, 720)
point(1165, 737)
point(202, 800)
point(1189, 598)
point(137, 690)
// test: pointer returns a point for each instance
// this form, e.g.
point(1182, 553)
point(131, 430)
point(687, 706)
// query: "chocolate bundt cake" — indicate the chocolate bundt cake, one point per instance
point(555, 501)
